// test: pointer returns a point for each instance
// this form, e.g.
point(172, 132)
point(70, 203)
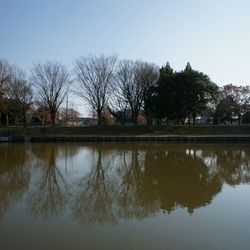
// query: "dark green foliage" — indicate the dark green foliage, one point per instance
point(167, 90)
point(183, 94)
point(199, 91)
point(246, 118)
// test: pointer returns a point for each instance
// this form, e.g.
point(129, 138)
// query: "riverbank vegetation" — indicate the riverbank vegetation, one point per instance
point(131, 92)
point(127, 130)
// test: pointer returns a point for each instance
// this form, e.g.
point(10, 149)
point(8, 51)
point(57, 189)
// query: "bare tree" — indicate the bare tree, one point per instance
point(20, 91)
point(119, 109)
point(148, 75)
point(51, 81)
point(134, 79)
point(4, 80)
point(94, 76)
point(234, 101)
point(127, 87)
point(118, 106)
point(4, 74)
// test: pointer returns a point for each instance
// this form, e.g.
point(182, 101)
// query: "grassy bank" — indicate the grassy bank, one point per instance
point(129, 130)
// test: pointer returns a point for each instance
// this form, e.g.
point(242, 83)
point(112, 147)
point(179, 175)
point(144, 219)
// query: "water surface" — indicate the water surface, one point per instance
point(124, 196)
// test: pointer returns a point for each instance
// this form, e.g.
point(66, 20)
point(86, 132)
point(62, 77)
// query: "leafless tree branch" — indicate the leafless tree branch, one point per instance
point(51, 81)
point(94, 77)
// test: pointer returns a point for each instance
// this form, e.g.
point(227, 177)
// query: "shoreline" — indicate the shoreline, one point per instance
point(125, 138)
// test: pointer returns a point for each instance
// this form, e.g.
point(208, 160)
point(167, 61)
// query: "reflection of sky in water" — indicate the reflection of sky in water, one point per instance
point(79, 165)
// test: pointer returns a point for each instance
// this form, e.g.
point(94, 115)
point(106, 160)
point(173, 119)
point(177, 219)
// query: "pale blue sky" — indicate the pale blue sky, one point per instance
point(214, 35)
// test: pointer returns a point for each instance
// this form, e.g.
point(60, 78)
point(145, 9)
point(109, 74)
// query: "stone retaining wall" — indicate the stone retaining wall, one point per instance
point(167, 138)
point(189, 138)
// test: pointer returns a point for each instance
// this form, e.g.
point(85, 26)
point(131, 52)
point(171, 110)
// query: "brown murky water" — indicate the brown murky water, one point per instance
point(124, 196)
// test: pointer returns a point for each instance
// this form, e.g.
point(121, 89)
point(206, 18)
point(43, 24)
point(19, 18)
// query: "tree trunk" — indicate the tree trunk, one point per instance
point(239, 119)
point(99, 117)
point(135, 118)
point(24, 120)
point(147, 116)
point(148, 120)
point(16, 120)
point(53, 118)
point(158, 121)
point(123, 118)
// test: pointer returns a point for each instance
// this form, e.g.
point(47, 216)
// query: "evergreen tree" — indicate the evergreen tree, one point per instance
point(199, 91)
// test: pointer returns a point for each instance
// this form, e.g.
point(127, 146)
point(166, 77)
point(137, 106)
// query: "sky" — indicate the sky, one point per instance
point(213, 35)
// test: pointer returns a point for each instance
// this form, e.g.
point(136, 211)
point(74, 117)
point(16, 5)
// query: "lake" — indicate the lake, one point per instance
point(124, 196)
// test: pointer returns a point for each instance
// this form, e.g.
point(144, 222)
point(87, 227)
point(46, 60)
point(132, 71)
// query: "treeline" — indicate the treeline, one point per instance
point(126, 89)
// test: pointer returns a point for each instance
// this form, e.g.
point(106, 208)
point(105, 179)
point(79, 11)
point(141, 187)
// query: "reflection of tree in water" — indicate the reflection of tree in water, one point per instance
point(125, 181)
point(14, 175)
point(234, 166)
point(137, 198)
point(51, 193)
point(182, 180)
point(63, 151)
point(95, 195)
point(69, 150)
point(138, 181)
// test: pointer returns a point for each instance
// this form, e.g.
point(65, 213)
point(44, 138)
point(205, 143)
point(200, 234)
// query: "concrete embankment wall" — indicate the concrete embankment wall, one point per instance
point(142, 138)
point(167, 138)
